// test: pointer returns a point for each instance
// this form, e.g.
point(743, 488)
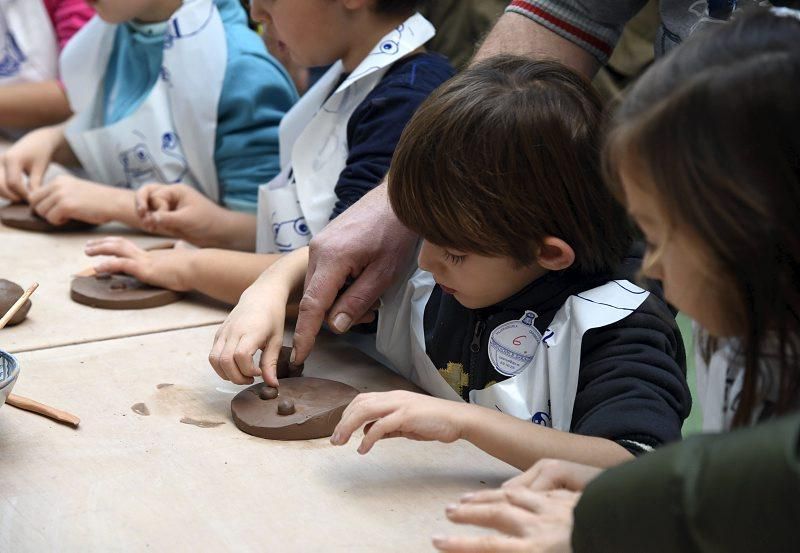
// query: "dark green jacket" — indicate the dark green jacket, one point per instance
point(734, 492)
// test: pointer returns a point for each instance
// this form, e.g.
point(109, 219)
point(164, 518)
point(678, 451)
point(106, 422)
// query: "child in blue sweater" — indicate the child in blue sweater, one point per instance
point(166, 92)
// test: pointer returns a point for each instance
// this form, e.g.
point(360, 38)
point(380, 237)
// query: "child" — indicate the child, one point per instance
point(336, 143)
point(166, 91)
point(717, 198)
point(532, 321)
point(32, 33)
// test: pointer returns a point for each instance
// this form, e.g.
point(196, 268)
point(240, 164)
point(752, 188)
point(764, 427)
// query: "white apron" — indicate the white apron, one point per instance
point(29, 51)
point(298, 203)
point(545, 367)
point(720, 383)
point(171, 136)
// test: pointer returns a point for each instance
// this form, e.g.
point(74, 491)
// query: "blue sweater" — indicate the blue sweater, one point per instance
point(256, 93)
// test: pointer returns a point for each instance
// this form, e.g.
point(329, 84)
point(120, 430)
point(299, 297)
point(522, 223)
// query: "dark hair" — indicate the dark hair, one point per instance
point(504, 155)
point(713, 133)
point(397, 7)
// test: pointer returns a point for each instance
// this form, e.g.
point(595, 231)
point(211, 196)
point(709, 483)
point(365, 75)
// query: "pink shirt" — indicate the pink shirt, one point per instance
point(68, 16)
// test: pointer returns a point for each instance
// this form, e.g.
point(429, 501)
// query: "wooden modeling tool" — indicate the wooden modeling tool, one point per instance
point(45, 410)
point(28, 404)
point(18, 305)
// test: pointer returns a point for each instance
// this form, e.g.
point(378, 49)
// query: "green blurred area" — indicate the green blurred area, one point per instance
point(694, 423)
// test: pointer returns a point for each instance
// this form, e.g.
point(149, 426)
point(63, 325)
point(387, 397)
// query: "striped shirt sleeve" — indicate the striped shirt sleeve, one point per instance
point(594, 26)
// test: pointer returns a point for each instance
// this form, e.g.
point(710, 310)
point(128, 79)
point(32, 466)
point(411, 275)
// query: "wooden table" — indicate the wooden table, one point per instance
point(183, 478)
point(55, 320)
point(129, 482)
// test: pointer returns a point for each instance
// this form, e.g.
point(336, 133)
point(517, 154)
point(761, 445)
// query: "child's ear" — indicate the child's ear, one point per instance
point(555, 254)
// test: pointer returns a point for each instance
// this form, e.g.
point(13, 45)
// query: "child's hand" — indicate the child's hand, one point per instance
point(178, 210)
point(162, 268)
point(256, 323)
point(400, 414)
point(67, 197)
point(555, 474)
point(25, 163)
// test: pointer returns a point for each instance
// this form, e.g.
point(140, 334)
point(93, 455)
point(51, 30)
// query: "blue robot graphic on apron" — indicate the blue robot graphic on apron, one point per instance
point(12, 56)
point(140, 167)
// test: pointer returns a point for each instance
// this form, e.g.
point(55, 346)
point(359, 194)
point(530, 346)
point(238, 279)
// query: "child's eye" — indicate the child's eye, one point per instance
point(454, 259)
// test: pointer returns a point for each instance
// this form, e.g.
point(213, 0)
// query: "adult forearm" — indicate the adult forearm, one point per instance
point(491, 431)
point(33, 105)
point(516, 34)
point(225, 274)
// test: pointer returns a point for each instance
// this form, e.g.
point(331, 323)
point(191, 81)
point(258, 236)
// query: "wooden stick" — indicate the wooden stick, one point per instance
point(20, 302)
point(35, 407)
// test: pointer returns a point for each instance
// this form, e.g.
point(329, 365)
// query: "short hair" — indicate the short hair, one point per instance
point(397, 7)
point(503, 155)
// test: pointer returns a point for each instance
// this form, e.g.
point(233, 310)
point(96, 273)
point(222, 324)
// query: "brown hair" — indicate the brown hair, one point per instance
point(504, 155)
point(713, 133)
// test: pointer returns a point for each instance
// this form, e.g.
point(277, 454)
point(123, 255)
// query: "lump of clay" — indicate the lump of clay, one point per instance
point(21, 216)
point(268, 392)
point(285, 368)
point(10, 292)
point(107, 291)
point(286, 407)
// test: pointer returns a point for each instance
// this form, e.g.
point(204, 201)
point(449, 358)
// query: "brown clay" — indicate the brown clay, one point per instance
point(285, 369)
point(268, 392)
point(10, 292)
point(318, 407)
point(286, 407)
point(21, 216)
point(119, 292)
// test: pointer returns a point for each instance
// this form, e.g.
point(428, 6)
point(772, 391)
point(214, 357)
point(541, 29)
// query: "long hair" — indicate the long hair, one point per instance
point(713, 132)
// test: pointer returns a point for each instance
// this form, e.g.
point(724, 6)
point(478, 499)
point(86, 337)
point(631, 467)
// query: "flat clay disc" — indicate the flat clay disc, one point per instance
point(21, 216)
point(318, 408)
point(10, 292)
point(119, 292)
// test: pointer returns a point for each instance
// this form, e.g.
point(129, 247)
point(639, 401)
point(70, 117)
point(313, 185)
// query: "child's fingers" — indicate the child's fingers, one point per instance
point(243, 356)
point(360, 411)
point(269, 360)
point(484, 496)
point(379, 429)
point(503, 517)
point(113, 245)
point(227, 363)
point(5, 191)
point(216, 353)
point(480, 544)
point(15, 180)
point(36, 175)
point(122, 265)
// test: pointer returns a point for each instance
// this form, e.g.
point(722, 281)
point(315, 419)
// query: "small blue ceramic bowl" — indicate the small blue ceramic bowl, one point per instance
point(9, 371)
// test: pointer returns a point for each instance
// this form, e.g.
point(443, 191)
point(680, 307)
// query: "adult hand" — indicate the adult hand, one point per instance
point(366, 243)
point(162, 268)
point(24, 164)
point(66, 197)
point(529, 521)
point(399, 414)
point(181, 211)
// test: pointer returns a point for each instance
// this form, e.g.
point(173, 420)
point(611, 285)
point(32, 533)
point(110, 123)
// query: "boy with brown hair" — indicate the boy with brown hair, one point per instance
point(521, 311)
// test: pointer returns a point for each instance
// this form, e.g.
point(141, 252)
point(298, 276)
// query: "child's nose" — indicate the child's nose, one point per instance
point(425, 258)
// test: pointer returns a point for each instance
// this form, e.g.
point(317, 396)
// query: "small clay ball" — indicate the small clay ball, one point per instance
point(103, 276)
point(118, 285)
point(10, 292)
point(268, 392)
point(286, 407)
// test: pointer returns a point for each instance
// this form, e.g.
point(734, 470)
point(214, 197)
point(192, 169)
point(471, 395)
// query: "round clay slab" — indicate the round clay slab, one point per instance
point(119, 292)
point(21, 216)
point(318, 403)
point(10, 292)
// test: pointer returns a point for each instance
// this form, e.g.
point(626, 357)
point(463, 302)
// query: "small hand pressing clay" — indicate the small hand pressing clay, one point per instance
point(305, 409)
point(10, 292)
point(108, 291)
point(21, 216)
